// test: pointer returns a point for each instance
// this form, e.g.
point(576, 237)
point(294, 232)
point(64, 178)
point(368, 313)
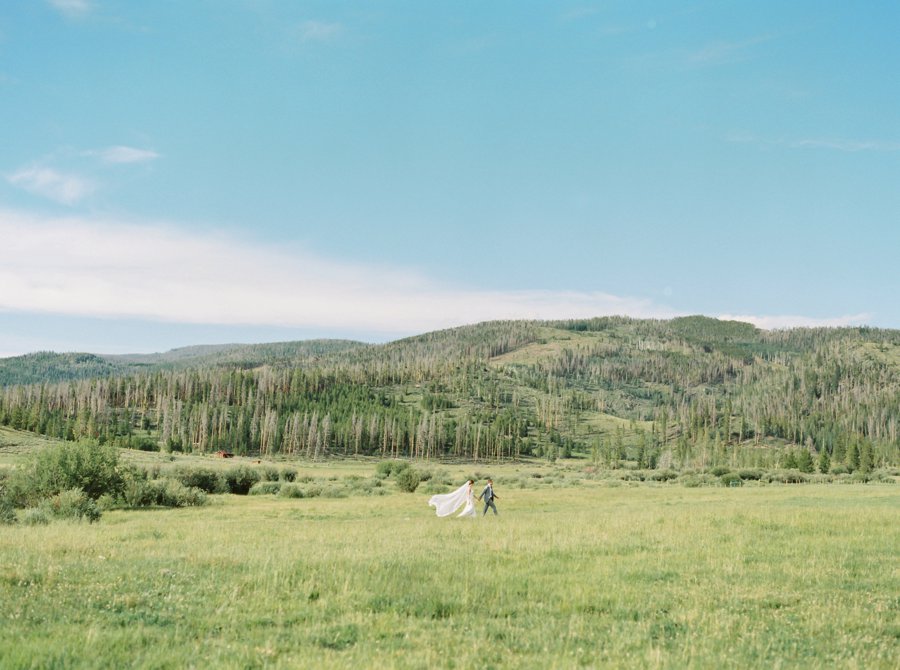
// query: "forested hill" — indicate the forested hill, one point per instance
point(239, 355)
point(49, 367)
point(689, 392)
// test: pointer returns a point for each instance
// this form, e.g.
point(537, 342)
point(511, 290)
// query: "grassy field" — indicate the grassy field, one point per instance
point(574, 576)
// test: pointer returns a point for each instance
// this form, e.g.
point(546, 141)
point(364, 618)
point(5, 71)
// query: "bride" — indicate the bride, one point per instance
point(447, 503)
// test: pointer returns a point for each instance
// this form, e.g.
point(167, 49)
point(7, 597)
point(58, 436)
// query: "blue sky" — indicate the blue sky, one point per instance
point(175, 173)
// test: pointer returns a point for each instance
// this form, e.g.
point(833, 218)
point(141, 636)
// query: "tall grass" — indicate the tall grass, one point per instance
point(794, 577)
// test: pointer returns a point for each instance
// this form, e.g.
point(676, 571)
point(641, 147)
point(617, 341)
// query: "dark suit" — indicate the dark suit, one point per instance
point(488, 495)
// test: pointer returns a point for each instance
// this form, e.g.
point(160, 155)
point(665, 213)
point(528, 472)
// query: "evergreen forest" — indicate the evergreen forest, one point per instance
point(690, 392)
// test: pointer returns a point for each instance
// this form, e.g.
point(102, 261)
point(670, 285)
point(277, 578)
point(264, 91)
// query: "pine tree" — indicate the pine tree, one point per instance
point(865, 457)
point(789, 460)
point(824, 461)
point(804, 461)
point(853, 458)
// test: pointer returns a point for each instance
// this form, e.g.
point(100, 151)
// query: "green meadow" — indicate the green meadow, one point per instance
point(574, 573)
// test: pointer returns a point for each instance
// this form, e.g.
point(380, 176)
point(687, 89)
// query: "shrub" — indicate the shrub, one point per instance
point(35, 516)
point(693, 481)
point(407, 480)
point(883, 475)
point(66, 466)
point(107, 502)
point(73, 504)
point(719, 470)
point(162, 493)
point(630, 476)
point(239, 480)
point(785, 477)
point(388, 468)
point(291, 491)
point(265, 488)
point(268, 473)
point(663, 475)
point(288, 474)
point(838, 469)
point(143, 443)
point(731, 479)
point(209, 480)
point(172, 493)
point(358, 485)
point(7, 513)
point(138, 493)
point(750, 473)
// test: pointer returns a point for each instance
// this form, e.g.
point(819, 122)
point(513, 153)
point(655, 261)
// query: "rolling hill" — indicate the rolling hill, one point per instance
point(50, 367)
point(689, 392)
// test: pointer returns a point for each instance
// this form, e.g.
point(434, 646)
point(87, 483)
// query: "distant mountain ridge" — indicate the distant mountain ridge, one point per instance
point(52, 367)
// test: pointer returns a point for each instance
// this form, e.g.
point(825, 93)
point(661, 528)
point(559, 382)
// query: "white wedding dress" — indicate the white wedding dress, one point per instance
point(446, 504)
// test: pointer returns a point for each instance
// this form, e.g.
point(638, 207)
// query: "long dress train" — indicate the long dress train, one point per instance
point(446, 504)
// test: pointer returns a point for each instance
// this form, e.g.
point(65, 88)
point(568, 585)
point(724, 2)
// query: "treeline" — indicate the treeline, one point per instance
point(718, 384)
point(687, 392)
point(292, 412)
point(49, 367)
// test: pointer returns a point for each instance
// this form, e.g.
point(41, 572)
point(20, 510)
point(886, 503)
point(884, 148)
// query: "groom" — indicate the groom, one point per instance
point(489, 497)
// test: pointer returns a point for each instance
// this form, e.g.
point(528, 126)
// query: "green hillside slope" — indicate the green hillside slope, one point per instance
point(690, 392)
point(49, 367)
point(245, 355)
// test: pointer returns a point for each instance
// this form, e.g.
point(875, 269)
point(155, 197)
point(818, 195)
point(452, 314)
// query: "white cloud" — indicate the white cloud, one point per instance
point(82, 267)
point(836, 144)
point(72, 8)
point(48, 183)
point(723, 52)
point(793, 321)
point(123, 154)
point(845, 145)
point(318, 31)
point(76, 266)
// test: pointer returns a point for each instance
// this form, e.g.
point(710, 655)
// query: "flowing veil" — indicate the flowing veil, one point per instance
point(446, 504)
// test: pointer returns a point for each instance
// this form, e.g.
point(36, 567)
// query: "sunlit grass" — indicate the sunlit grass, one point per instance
point(597, 577)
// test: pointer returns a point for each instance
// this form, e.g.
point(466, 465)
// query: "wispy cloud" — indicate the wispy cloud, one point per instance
point(845, 145)
point(713, 54)
point(318, 31)
point(78, 266)
point(68, 185)
point(123, 154)
point(722, 52)
point(72, 8)
point(795, 321)
point(67, 189)
point(833, 144)
point(578, 13)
